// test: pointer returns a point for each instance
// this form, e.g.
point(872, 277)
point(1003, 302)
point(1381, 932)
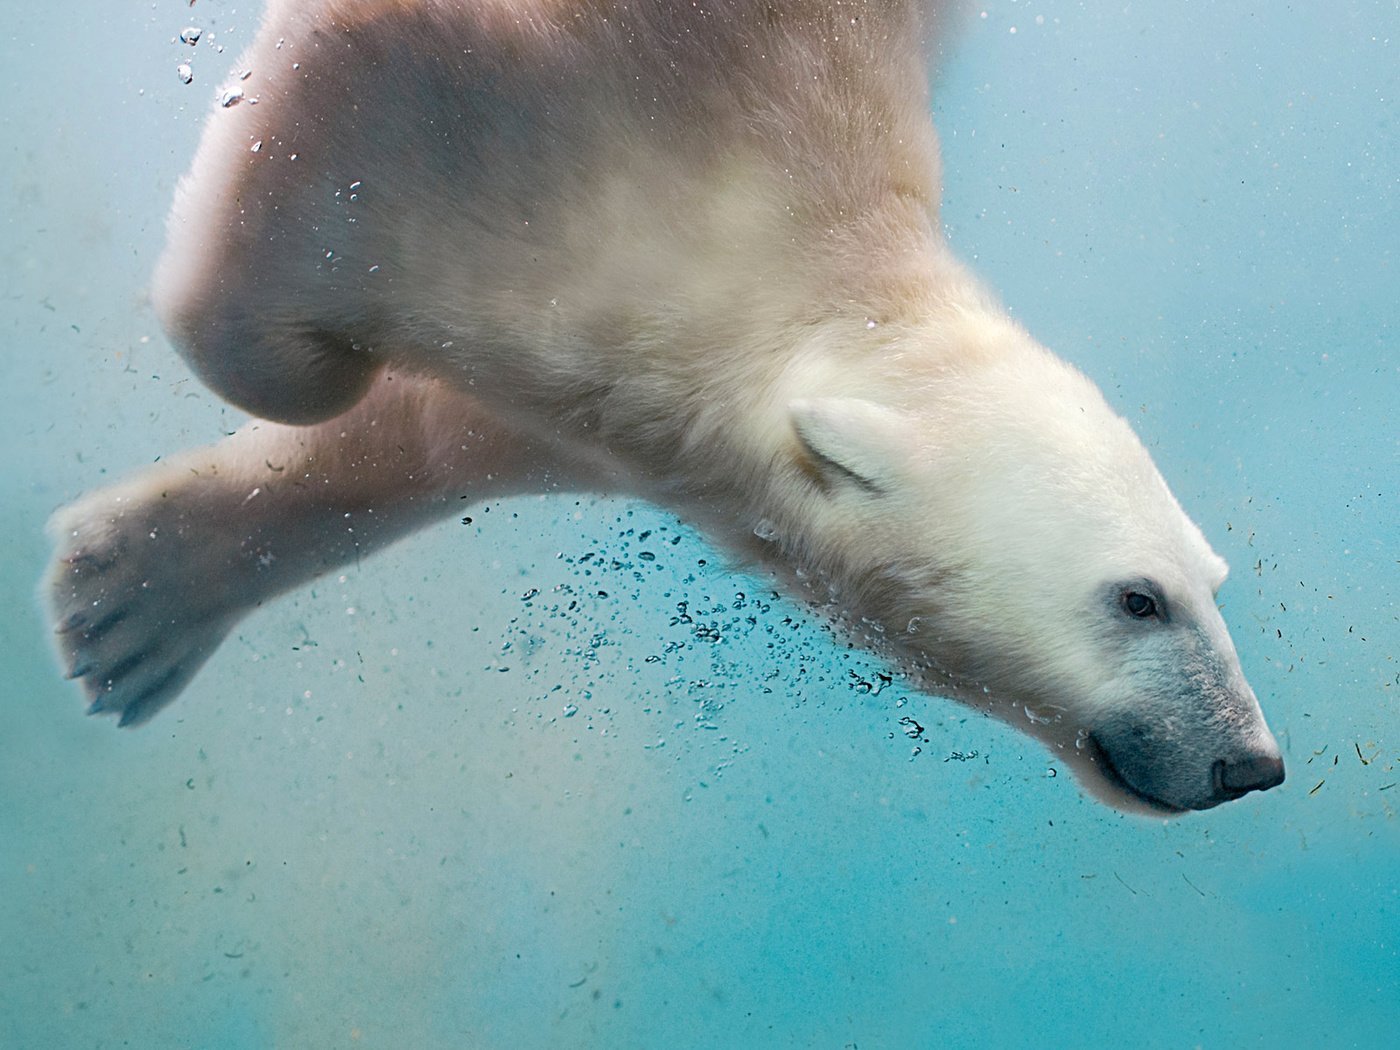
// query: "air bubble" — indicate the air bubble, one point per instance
point(190, 35)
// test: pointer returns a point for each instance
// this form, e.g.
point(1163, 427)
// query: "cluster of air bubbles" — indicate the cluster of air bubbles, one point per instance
point(191, 36)
point(697, 668)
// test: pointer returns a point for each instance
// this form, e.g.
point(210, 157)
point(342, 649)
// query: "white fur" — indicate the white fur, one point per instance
point(686, 251)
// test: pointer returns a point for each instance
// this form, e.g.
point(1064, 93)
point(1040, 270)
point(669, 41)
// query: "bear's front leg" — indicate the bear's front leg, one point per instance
point(151, 574)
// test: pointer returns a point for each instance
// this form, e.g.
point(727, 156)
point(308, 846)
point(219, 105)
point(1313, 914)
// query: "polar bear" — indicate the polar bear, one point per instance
point(687, 252)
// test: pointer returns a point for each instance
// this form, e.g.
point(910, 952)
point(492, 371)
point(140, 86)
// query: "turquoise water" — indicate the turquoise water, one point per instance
point(417, 806)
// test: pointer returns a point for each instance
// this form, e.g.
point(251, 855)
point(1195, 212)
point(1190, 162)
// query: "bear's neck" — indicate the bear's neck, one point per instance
point(730, 458)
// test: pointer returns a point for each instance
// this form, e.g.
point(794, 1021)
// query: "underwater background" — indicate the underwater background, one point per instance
point(562, 778)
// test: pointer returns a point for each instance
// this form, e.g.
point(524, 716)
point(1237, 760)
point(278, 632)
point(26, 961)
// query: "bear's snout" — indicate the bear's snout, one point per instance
point(1236, 777)
point(1172, 776)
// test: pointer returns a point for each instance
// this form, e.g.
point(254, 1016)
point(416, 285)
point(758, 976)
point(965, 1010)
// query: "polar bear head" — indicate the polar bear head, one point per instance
point(1008, 537)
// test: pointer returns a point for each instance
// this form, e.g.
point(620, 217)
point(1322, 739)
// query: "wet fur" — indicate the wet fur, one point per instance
point(688, 252)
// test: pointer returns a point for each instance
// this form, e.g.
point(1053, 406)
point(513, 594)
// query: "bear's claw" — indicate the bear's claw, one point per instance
point(134, 618)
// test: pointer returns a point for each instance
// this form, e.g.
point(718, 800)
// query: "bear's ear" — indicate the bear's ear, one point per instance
point(849, 441)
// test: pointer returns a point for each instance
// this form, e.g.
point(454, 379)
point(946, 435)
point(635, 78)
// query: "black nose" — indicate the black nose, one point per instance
point(1241, 776)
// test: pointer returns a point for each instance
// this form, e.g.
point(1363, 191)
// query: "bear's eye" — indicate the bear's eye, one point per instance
point(1140, 605)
